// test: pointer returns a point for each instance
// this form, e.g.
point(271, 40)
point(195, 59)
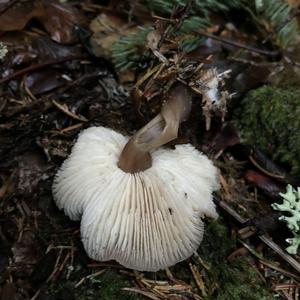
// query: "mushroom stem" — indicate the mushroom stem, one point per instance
point(176, 108)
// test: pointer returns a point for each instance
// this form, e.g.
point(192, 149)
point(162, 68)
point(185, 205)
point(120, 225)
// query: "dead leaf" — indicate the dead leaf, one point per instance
point(60, 20)
point(228, 136)
point(18, 15)
point(27, 250)
point(269, 186)
point(44, 80)
point(107, 29)
point(47, 49)
point(8, 292)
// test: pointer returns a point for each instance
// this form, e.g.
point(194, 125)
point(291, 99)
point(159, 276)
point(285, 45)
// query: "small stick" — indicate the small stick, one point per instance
point(256, 164)
point(8, 5)
point(238, 45)
point(39, 66)
point(198, 278)
point(64, 108)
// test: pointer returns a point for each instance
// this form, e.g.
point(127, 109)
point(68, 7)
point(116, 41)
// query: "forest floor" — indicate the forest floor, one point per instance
point(52, 86)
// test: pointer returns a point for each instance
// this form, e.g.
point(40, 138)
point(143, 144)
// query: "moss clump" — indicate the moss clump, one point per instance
point(105, 287)
point(228, 280)
point(269, 118)
point(240, 281)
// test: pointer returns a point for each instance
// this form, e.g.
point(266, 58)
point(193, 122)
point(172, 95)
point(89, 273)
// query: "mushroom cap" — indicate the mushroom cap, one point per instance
point(146, 221)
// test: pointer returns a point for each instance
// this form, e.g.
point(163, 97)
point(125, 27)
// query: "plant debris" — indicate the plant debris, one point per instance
point(69, 65)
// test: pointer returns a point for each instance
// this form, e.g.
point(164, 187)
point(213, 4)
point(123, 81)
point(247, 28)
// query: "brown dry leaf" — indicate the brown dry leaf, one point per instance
point(44, 80)
point(17, 16)
point(107, 29)
point(60, 21)
point(8, 291)
point(47, 49)
point(28, 250)
point(8, 184)
point(268, 185)
point(226, 137)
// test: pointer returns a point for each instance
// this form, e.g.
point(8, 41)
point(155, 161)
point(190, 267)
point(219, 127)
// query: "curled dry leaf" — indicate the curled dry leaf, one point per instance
point(270, 168)
point(59, 19)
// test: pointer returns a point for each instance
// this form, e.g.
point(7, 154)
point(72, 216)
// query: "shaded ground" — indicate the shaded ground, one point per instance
point(62, 89)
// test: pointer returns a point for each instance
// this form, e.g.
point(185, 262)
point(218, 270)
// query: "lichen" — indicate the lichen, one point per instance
point(269, 118)
point(291, 205)
point(3, 51)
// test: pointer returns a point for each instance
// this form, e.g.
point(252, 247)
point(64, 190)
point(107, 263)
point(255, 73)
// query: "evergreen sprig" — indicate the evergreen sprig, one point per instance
point(279, 15)
point(131, 50)
point(275, 16)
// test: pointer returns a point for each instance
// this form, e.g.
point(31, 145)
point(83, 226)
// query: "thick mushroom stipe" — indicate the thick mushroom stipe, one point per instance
point(146, 221)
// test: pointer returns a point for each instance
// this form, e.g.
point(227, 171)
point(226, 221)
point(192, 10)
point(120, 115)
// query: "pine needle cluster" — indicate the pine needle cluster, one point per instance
point(274, 19)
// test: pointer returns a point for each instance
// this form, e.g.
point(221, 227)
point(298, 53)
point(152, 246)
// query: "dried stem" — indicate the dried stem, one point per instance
point(136, 155)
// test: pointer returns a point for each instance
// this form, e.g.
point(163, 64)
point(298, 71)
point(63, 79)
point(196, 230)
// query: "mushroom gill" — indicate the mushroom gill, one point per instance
point(139, 205)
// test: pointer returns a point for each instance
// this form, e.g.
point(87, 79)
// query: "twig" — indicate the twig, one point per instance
point(141, 292)
point(285, 286)
point(64, 108)
point(8, 5)
point(293, 262)
point(39, 66)
point(82, 280)
point(52, 275)
point(198, 278)
point(67, 129)
point(284, 272)
point(254, 63)
point(288, 258)
point(238, 45)
point(281, 26)
point(256, 164)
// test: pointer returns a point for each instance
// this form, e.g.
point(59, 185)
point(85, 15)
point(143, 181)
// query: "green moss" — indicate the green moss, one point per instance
point(105, 287)
point(269, 118)
point(228, 280)
point(224, 280)
point(111, 284)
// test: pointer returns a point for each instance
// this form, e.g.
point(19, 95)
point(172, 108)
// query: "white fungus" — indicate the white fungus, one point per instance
point(147, 220)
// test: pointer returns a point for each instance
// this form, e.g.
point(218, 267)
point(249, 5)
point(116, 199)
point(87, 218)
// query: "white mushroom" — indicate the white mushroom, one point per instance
point(147, 216)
